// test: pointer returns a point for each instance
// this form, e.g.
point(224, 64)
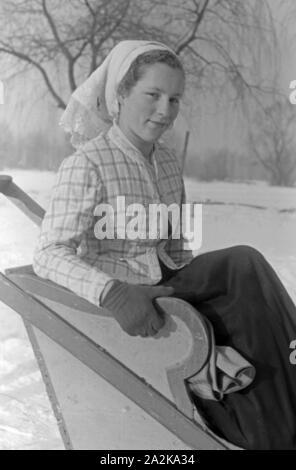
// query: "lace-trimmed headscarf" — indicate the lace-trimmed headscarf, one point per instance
point(94, 105)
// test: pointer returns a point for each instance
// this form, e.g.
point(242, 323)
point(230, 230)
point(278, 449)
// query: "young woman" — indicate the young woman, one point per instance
point(136, 93)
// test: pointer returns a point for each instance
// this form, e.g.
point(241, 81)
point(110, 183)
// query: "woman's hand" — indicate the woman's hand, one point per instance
point(132, 306)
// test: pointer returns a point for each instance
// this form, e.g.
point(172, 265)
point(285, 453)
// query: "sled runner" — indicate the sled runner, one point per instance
point(85, 357)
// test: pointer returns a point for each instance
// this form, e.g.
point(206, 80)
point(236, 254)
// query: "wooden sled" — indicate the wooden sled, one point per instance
point(79, 349)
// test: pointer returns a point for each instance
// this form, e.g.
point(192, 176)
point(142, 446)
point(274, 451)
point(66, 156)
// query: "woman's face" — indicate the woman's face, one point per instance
point(151, 105)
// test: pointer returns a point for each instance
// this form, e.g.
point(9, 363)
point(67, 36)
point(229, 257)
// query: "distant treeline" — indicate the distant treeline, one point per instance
point(39, 150)
point(35, 150)
point(223, 164)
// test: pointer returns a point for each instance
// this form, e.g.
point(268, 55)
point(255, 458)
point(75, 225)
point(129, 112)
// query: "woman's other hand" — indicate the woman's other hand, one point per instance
point(132, 306)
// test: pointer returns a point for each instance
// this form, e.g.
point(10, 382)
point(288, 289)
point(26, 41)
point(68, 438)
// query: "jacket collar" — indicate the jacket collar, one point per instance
point(121, 141)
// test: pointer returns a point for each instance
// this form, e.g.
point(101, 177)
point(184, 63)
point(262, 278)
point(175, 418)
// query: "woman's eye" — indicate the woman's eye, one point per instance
point(175, 100)
point(153, 95)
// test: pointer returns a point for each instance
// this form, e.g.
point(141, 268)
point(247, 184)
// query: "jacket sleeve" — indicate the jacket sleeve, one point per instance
point(69, 216)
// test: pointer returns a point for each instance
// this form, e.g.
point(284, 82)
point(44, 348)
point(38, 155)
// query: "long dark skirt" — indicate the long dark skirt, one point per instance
point(250, 310)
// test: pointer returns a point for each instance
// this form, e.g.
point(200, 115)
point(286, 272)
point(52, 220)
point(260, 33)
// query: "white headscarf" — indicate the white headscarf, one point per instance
point(94, 105)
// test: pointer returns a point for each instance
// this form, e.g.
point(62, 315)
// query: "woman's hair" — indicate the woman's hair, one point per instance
point(138, 66)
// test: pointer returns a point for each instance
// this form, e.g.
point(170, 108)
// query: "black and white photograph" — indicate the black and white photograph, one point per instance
point(148, 227)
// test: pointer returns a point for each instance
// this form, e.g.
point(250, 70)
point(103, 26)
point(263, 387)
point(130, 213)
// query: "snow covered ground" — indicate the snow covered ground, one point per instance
point(236, 213)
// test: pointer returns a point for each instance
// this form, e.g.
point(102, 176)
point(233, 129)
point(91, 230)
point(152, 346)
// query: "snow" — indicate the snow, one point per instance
point(26, 417)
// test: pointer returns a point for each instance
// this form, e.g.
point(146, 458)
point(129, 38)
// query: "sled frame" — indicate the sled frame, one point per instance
point(18, 290)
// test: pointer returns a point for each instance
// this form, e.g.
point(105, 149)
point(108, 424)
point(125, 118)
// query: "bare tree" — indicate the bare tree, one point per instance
point(221, 41)
point(5, 141)
point(272, 141)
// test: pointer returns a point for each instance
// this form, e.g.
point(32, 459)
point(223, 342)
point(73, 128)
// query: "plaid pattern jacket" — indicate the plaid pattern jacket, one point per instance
point(68, 251)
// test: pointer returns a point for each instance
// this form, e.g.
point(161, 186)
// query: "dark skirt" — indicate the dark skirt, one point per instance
point(250, 310)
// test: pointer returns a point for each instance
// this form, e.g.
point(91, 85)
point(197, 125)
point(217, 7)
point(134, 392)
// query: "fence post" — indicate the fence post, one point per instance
point(184, 152)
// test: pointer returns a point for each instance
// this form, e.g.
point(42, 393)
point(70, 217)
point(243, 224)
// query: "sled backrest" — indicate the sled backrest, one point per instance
point(21, 199)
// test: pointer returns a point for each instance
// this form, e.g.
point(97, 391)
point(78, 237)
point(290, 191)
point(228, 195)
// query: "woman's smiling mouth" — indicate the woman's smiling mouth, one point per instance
point(158, 124)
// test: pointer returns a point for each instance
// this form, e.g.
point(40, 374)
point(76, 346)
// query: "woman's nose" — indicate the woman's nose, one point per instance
point(163, 107)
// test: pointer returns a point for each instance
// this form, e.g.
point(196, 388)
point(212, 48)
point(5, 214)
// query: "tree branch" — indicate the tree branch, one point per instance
point(191, 35)
point(61, 45)
point(43, 72)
